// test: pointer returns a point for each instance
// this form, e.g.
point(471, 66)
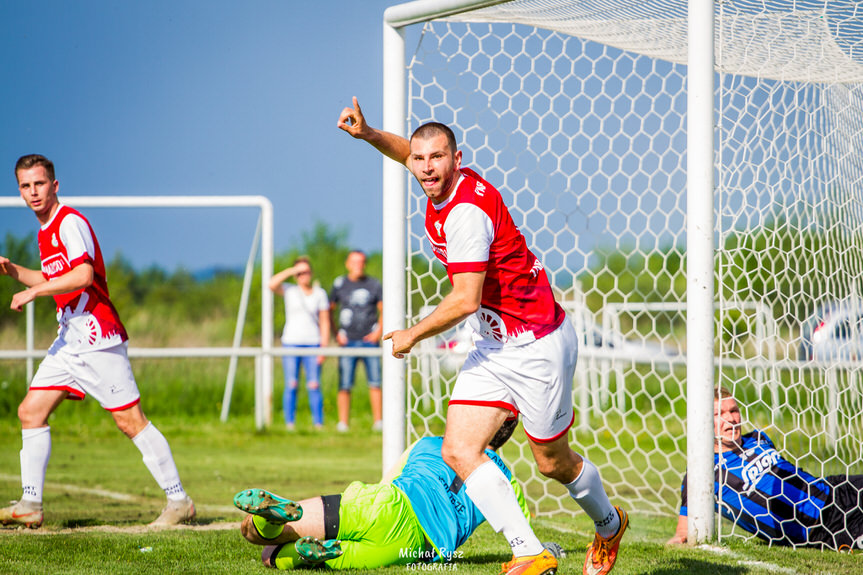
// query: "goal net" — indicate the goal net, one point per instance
point(576, 111)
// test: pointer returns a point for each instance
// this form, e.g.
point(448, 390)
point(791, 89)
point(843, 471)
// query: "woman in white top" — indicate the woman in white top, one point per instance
point(307, 324)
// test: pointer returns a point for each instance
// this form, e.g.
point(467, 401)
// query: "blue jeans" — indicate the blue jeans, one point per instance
point(348, 367)
point(291, 365)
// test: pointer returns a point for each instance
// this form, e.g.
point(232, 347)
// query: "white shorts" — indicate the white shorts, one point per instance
point(105, 374)
point(534, 379)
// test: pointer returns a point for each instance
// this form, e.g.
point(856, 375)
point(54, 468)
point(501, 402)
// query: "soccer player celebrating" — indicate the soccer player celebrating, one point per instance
point(89, 354)
point(524, 360)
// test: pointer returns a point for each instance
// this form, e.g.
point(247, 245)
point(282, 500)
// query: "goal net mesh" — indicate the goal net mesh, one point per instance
point(576, 112)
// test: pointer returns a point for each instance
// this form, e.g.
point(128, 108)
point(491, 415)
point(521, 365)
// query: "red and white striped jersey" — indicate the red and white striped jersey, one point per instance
point(87, 318)
point(472, 231)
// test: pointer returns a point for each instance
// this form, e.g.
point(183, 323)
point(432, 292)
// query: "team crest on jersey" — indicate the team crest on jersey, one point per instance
point(437, 227)
point(479, 189)
point(491, 325)
point(54, 241)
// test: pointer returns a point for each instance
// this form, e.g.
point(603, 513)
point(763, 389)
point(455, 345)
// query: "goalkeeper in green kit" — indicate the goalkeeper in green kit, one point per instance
point(418, 513)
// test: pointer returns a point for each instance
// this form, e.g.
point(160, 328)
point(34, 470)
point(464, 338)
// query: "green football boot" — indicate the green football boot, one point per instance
point(268, 505)
point(317, 551)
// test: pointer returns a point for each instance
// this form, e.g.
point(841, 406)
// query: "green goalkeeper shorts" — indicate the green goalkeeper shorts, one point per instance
point(378, 527)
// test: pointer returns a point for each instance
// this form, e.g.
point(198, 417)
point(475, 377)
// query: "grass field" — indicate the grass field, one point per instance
point(99, 496)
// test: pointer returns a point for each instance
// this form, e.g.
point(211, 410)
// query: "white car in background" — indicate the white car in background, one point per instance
point(834, 332)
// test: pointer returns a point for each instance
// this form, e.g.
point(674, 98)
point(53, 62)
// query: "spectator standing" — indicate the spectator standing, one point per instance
point(356, 304)
point(307, 325)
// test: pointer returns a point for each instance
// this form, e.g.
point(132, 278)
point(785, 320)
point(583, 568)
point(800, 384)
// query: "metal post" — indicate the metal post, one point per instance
point(699, 276)
point(241, 322)
point(395, 246)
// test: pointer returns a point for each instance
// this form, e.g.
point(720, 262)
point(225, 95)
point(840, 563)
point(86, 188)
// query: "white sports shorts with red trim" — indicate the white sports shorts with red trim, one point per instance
point(534, 379)
point(104, 374)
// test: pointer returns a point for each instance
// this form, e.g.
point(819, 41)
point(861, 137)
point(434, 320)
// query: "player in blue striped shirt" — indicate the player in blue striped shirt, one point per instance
point(765, 494)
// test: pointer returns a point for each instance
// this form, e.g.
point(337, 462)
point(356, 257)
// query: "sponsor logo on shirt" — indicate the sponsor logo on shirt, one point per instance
point(53, 265)
point(537, 267)
point(754, 470)
point(479, 189)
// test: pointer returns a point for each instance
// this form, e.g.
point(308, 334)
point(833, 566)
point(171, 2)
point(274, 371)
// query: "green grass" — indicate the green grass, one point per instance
point(99, 495)
point(88, 532)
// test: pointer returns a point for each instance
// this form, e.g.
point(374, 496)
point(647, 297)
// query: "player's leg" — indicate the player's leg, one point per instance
point(547, 414)
point(841, 523)
point(107, 376)
point(313, 386)
point(469, 428)
point(291, 368)
point(275, 520)
point(373, 375)
point(347, 373)
point(159, 460)
point(479, 404)
point(374, 526)
point(33, 412)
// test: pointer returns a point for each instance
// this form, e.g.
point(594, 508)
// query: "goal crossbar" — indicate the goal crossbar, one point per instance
point(264, 375)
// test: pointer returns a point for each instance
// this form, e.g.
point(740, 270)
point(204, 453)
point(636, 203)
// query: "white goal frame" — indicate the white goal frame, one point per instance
point(700, 243)
point(263, 355)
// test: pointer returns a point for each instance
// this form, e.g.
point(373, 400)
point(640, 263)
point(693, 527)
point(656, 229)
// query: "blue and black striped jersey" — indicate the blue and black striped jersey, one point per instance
point(765, 494)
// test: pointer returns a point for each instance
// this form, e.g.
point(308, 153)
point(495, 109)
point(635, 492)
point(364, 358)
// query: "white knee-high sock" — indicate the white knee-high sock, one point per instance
point(159, 460)
point(491, 492)
point(35, 452)
point(588, 492)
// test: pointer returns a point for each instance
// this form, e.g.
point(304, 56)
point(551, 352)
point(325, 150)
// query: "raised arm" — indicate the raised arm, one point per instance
point(352, 121)
point(277, 280)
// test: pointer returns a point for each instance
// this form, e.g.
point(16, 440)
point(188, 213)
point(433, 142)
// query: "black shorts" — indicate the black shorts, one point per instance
point(842, 518)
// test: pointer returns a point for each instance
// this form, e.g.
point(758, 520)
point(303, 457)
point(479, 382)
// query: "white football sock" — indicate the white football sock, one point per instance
point(588, 492)
point(35, 452)
point(491, 492)
point(159, 460)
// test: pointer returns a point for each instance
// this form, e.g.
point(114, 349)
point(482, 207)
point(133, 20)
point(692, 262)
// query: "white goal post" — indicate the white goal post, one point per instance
point(263, 236)
point(663, 154)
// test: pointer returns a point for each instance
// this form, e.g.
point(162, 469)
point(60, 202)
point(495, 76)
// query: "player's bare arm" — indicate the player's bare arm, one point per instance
point(352, 121)
point(79, 277)
point(24, 275)
point(681, 533)
point(462, 301)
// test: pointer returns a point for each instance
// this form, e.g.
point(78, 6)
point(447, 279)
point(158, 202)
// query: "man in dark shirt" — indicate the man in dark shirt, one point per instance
point(358, 298)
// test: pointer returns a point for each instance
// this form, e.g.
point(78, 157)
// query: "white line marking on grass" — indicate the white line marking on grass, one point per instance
point(115, 495)
point(128, 529)
point(747, 562)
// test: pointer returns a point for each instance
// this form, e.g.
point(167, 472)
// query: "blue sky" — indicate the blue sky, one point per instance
point(196, 97)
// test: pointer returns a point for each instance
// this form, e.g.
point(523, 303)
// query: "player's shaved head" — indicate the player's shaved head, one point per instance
point(433, 129)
